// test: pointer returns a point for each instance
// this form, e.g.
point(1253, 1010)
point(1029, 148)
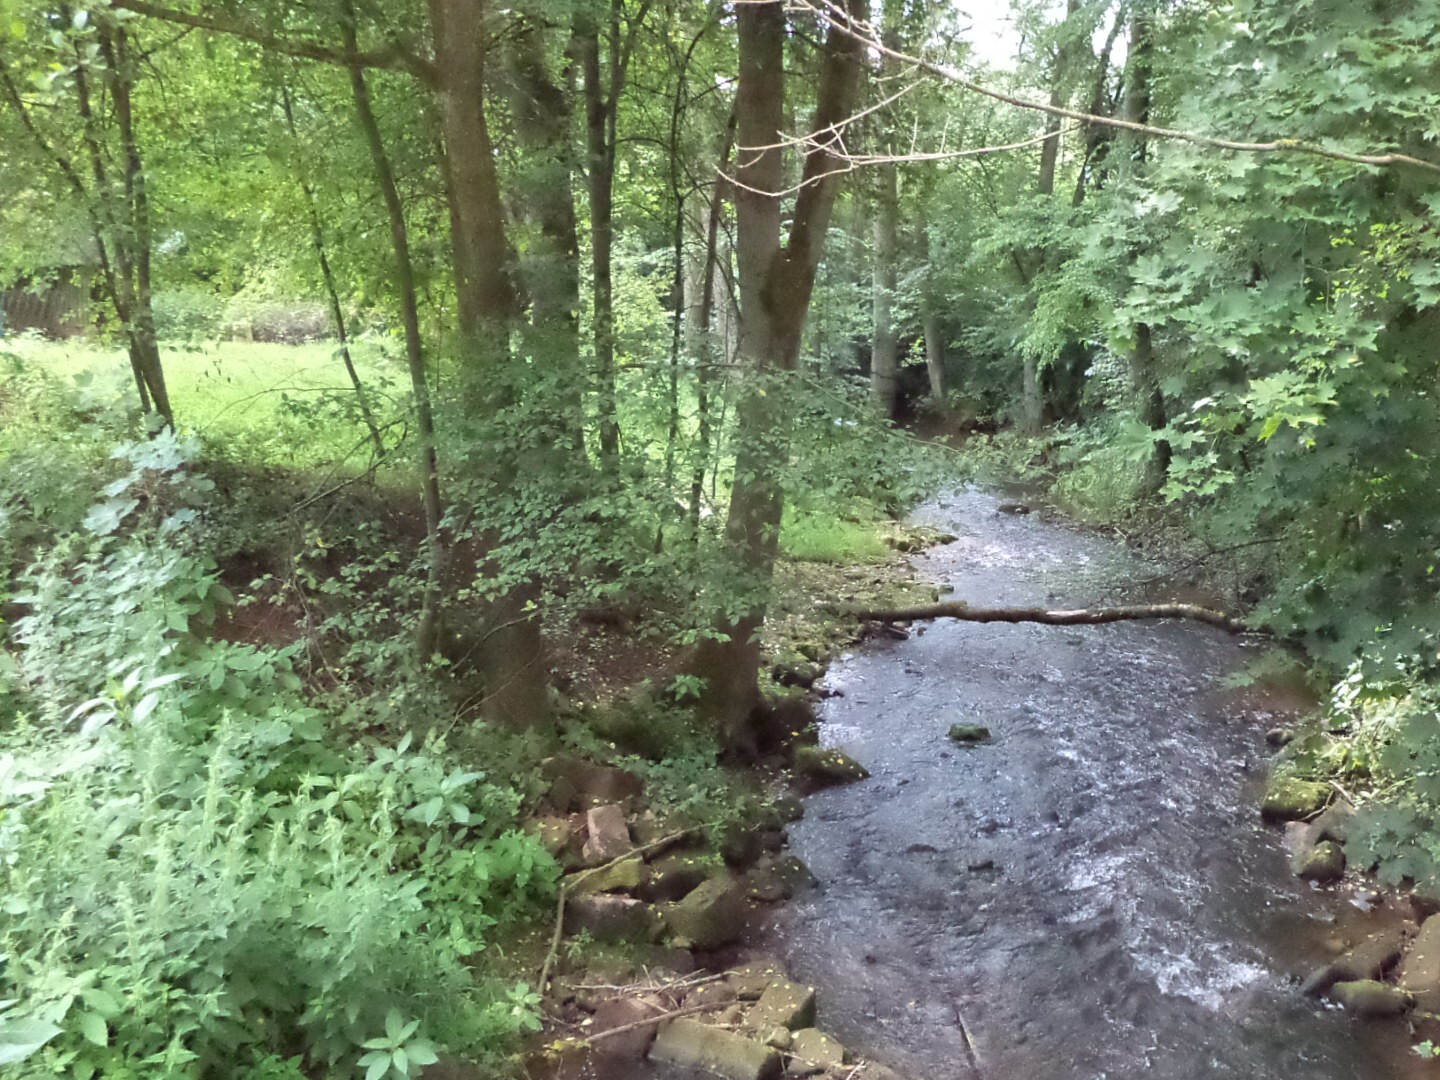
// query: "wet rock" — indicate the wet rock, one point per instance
point(750, 980)
point(1323, 864)
point(1279, 736)
point(1333, 824)
point(607, 917)
point(693, 1045)
point(813, 1052)
point(787, 809)
point(969, 734)
point(741, 845)
point(711, 994)
point(712, 915)
point(1012, 508)
point(582, 785)
point(778, 1037)
point(786, 1004)
point(627, 875)
point(674, 877)
point(828, 766)
point(1288, 799)
point(873, 1071)
point(804, 675)
point(1419, 971)
point(777, 878)
point(1367, 960)
point(648, 830)
point(1425, 898)
point(607, 835)
point(621, 1012)
point(1371, 999)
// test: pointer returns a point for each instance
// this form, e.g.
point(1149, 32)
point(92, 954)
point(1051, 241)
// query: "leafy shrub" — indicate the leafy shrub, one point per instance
point(197, 881)
point(188, 315)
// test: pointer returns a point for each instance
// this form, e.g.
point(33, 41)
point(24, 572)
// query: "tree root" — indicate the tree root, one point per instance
point(1081, 617)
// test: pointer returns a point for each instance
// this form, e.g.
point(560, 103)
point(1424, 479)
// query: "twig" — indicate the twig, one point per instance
point(559, 931)
point(689, 1010)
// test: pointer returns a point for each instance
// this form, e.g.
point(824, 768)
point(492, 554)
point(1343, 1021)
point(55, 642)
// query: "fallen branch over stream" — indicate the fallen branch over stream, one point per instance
point(1081, 617)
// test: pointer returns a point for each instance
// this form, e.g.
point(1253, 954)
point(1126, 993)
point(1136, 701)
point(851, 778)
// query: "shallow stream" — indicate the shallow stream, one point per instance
point(1090, 895)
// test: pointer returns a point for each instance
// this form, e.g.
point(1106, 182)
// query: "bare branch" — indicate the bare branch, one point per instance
point(392, 57)
point(836, 17)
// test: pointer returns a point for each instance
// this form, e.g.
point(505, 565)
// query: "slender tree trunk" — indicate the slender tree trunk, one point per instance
point(885, 344)
point(512, 655)
point(776, 284)
point(1144, 372)
point(327, 278)
point(600, 161)
point(934, 355)
point(428, 632)
point(705, 331)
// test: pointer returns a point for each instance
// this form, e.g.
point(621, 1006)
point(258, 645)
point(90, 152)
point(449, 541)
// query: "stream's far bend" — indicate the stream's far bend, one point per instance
point(1091, 895)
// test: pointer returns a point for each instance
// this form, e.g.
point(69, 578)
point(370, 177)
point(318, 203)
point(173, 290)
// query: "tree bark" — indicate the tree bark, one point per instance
point(511, 656)
point(1079, 617)
point(885, 343)
point(776, 284)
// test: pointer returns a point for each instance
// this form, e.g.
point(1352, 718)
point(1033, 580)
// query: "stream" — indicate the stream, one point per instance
point(1091, 894)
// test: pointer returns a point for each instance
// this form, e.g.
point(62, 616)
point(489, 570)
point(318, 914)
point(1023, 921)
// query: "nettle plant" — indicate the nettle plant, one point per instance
point(197, 883)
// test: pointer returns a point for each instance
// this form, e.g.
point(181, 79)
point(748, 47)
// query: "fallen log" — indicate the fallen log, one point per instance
point(1081, 617)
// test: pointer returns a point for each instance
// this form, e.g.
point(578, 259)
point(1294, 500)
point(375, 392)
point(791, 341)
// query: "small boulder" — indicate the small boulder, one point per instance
point(1279, 736)
point(828, 766)
point(712, 915)
point(674, 876)
point(608, 836)
point(1323, 864)
point(969, 734)
point(778, 1037)
point(611, 918)
point(621, 1012)
point(1371, 999)
point(627, 875)
point(741, 845)
point(812, 1051)
point(582, 785)
point(786, 1004)
point(1419, 971)
point(787, 809)
point(751, 979)
point(1366, 960)
point(1288, 799)
point(777, 878)
point(692, 1045)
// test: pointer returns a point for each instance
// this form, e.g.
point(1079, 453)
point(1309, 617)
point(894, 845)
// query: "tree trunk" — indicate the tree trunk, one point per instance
point(600, 161)
point(427, 635)
point(776, 284)
point(934, 356)
point(511, 656)
point(885, 344)
point(1144, 373)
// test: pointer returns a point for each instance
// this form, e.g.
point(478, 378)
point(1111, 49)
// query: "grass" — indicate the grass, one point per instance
point(810, 535)
point(288, 405)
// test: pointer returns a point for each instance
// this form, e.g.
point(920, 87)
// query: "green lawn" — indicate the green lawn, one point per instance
point(279, 404)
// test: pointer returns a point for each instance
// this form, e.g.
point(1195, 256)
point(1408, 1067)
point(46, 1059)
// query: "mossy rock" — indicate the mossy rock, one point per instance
point(1371, 999)
point(828, 766)
point(1289, 799)
point(1323, 864)
point(969, 734)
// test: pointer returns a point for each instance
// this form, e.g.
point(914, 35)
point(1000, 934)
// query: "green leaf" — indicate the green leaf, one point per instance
point(21, 1038)
point(94, 1028)
point(422, 1052)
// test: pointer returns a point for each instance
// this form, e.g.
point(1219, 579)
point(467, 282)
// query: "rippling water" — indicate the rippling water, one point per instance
point(1091, 895)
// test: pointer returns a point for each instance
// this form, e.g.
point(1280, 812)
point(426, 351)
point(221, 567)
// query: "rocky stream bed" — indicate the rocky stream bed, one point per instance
point(1057, 868)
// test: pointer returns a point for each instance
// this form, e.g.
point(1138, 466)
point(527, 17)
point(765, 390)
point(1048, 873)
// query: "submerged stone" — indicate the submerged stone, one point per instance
point(1371, 999)
point(969, 734)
